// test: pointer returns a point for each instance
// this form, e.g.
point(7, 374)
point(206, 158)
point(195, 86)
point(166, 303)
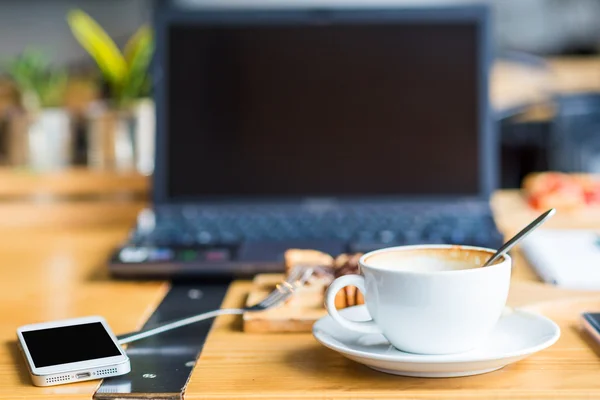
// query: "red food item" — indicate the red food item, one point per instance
point(590, 187)
point(559, 200)
point(592, 195)
point(562, 191)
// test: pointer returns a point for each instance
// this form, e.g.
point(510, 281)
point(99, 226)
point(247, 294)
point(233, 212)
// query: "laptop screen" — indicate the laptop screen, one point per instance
point(334, 110)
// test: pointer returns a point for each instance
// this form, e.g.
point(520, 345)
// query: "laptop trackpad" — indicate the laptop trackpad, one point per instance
point(273, 251)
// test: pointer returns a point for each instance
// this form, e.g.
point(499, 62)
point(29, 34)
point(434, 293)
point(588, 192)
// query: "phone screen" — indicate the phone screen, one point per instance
point(68, 344)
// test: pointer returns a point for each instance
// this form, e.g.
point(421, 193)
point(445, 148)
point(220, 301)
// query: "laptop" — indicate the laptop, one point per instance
point(336, 129)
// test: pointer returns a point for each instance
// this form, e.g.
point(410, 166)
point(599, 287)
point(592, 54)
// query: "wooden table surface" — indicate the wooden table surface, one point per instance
point(53, 257)
point(52, 274)
point(235, 364)
point(61, 273)
point(74, 198)
point(240, 365)
point(514, 85)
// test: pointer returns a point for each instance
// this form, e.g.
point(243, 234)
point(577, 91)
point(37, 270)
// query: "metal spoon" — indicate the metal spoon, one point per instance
point(520, 236)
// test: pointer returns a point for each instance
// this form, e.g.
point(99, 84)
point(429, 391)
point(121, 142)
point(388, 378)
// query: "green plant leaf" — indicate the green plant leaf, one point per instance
point(100, 46)
point(138, 43)
point(40, 84)
point(138, 54)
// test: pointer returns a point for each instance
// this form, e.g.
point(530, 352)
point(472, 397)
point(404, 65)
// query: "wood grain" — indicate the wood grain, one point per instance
point(74, 197)
point(80, 214)
point(70, 182)
point(235, 364)
point(298, 314)
point(59, 273)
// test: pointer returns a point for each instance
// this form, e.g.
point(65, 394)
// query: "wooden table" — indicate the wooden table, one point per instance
point(234, 364)
point(61, 273)
point(75, 197)
point(531, 87)
point(56, 232)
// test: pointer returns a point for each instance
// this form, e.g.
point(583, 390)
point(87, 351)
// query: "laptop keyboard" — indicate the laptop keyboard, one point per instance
point(362, 227)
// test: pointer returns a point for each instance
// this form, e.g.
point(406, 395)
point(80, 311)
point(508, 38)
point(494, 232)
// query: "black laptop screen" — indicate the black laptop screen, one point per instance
point(323, 110)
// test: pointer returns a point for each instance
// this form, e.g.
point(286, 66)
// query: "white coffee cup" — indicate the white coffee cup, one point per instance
point(428, 299)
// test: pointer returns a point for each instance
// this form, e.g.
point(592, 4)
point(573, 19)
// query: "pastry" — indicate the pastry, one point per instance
point(347, 264)
point(562, 191)
point(326, 269)
point(310, 258)
point(321, 262)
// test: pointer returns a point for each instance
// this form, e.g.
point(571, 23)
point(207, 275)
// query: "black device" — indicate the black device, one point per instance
point(330, 128)
point(72, 350)
point(590, 322)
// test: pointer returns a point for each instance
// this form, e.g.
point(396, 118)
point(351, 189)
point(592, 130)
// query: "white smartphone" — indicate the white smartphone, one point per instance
point(71, 350)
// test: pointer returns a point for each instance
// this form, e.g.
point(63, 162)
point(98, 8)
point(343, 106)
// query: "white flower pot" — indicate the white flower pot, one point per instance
point(145, 136)
point(42, 141)
point(122, 139)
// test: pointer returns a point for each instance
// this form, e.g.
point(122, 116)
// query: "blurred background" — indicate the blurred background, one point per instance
point(77, 115)
point(76, 110)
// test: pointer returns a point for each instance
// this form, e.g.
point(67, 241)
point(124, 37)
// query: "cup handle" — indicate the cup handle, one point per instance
point(336, 286)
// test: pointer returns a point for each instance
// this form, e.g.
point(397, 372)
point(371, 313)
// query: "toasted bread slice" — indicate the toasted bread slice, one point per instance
point(309, 258)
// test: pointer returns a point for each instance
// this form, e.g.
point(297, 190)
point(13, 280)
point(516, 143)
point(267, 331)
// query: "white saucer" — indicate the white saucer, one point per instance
point(517, 335)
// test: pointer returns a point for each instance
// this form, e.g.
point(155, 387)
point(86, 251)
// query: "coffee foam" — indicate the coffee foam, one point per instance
point(430, 259)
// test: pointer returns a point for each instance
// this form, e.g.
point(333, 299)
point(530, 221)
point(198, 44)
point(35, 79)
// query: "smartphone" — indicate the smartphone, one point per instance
point(71, 350)
point(591, 323)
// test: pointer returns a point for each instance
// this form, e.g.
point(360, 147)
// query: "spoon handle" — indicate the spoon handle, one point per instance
point(520, 236)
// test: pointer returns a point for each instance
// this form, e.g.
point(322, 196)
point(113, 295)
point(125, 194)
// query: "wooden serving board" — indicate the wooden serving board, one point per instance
point(298, 314)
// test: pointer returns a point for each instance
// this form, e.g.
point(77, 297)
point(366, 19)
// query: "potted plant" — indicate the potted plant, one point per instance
point(40, 132)
point(122, 128)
